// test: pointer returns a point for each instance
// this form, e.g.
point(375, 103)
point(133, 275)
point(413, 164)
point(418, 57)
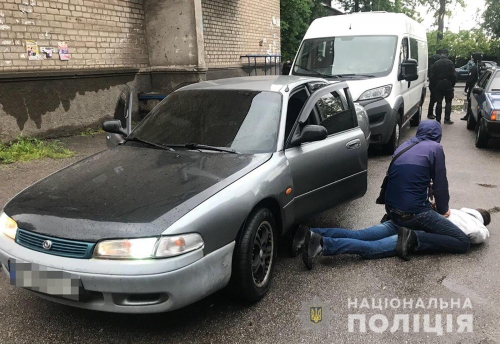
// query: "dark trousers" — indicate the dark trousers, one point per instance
point(432, 103)
point(435, 233)
point(448, 95)
point(469, 108)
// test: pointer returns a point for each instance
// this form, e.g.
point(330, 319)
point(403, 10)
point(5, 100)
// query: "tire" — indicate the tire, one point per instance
point(415, 120)
point(481, 135)
point(471, 122)
point(390, 147)
point(256, 242)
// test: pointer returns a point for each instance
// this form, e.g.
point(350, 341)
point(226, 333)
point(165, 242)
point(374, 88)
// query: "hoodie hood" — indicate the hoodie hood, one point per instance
point(429, 130)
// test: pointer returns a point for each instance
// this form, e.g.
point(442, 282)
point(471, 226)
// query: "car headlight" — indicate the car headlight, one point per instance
point(379, 92)
point(158, 247)
point(8, 226)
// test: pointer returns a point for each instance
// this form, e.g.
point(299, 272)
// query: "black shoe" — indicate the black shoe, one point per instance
point(313, 247)
point(431, 117)
point(464, 118)
point(407, 242)
point(299, 239)
point(448, 121)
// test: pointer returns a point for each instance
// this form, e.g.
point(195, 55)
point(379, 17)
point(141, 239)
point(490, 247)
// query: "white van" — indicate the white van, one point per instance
point(383, 58)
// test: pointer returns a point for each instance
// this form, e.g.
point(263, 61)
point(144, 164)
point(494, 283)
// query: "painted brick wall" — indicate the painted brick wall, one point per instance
point(239, 27)
point(99, 34)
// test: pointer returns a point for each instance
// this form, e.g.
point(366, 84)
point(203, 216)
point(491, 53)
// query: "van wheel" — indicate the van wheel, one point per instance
point(471, 121)
point(481, 135)
point(391, 146)
point(254, 256)
point(417, 117)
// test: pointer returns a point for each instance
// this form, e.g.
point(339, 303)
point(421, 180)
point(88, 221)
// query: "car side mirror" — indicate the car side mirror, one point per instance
point(310, 133)
point(477, 90)
point(285, 69)
point(409, 70)
point(114, 127)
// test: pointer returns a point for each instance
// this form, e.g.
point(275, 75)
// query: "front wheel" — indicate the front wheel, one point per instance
point(254, 256)
point(391, 146)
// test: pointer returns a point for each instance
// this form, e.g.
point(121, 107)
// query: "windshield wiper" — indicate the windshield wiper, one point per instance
point(349, 75)
point(136, 139)
point(318, 73)
point(207, 147)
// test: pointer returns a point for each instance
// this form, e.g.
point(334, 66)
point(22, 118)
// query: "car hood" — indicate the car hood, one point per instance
point(125, 192)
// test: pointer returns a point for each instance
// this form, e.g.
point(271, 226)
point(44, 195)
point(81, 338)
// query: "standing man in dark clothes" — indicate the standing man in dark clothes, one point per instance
point(444, 77)
point(471, 81)
point(432, 102)
point(407, 196)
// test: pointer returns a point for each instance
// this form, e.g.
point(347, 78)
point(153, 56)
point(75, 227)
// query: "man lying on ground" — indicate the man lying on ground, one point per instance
point(380, 241)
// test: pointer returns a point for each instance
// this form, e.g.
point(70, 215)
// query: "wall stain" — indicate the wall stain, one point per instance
point(31, 99)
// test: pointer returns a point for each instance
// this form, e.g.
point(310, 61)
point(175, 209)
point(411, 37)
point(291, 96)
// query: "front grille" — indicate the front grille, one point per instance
point(59, 247)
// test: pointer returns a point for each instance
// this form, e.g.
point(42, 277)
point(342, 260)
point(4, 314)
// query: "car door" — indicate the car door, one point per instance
point(327, 172)
point(477, 100)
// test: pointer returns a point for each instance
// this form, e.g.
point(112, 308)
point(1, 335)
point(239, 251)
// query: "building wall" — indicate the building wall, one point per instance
point(99, 34)
point(232, 28)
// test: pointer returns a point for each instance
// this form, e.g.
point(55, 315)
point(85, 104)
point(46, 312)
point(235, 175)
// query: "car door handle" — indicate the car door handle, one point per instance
point(353, 144)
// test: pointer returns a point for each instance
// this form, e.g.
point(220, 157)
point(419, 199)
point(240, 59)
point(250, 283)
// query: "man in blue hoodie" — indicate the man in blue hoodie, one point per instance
point(418, 226)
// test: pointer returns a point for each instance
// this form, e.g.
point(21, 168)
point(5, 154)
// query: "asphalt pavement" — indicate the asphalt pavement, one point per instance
point(341, 285)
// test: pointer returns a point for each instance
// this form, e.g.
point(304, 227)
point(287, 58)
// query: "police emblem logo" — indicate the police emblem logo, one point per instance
point(316, 315)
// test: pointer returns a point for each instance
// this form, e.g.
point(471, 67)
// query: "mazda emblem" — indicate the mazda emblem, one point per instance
point(47, 244)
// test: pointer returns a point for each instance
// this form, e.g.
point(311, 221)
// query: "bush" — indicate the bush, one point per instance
point(29, 148)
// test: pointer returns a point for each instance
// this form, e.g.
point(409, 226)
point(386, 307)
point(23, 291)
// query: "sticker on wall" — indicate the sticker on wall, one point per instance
point(47, 51)
point(62, 48)
point(32, 50)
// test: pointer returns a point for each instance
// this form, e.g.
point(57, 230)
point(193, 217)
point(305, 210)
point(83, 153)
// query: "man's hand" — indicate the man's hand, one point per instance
point(447, 214)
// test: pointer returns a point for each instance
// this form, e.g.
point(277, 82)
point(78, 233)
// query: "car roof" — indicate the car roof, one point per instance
point(274, 83)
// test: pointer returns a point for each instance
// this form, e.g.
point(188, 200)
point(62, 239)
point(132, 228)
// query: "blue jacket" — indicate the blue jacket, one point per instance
point(410, 175)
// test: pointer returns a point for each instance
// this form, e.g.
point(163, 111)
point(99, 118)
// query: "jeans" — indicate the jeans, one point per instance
point(448, 95)
point(435, 233)
point(374, 242)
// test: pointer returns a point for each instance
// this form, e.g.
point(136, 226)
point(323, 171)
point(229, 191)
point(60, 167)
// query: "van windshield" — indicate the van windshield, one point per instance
point(346, 56)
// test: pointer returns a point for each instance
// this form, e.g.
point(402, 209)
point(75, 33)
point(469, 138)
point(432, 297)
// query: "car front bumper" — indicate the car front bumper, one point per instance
point(381, 117)
point(146, 286)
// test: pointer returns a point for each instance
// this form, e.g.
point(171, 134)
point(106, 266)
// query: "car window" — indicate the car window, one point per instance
point(484, 81)
point(414, 49)
point(334, 113)
point(295, 105)
point(495, 83)
point(246, 121)
point(403, 52)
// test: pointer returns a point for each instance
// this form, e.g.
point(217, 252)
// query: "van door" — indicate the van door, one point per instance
point(328, 172)
point(404, 54)
point(418, 53)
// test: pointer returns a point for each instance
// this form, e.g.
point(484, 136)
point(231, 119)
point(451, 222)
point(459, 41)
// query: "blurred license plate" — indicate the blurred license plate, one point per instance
point(45, 280)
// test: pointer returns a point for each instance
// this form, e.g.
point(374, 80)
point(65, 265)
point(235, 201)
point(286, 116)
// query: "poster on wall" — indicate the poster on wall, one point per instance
point(32, 50)
point(47, 51)
point(62, 48)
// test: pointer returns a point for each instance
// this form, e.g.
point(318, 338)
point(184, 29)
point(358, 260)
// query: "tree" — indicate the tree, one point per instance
point(491, 22)
point(295, 17)
point(439, 7)
point(398, 6)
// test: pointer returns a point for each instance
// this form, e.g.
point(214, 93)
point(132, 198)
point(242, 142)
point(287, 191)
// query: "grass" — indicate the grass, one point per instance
point(91, 132)
point(29, 148)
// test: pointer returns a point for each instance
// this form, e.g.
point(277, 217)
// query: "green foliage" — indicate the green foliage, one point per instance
point(491, 17)
point(295, 17)
point(397, 6)
point(464, 43)
point(28, 148)
point(91, 132)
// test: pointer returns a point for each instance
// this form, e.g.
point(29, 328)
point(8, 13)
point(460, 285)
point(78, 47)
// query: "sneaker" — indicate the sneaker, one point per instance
point(448, 121)
point(407, 242)
point(313, 247)
point(299, 239)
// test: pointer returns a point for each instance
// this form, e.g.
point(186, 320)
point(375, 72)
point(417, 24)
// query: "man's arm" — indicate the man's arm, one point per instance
point(453, 74)
point(440, 182)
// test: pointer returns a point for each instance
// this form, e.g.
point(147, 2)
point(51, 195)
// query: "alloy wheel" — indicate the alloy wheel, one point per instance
point(262, 255)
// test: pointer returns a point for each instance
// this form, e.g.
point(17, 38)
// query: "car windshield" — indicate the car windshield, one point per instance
point(495, 83)
point(367, 55)
point(244, 121)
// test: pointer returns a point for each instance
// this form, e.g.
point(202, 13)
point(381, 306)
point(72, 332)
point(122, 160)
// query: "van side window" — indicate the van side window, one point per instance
point(403, 53)
point(334, 113)
point(414, 49)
